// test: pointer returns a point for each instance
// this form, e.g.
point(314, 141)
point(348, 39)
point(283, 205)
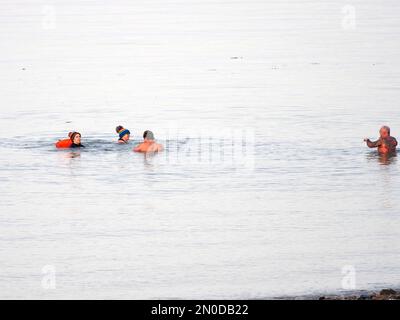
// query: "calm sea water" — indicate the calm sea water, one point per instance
point(265, 188)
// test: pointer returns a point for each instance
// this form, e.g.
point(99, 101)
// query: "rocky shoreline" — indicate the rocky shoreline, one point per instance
point(385, 294)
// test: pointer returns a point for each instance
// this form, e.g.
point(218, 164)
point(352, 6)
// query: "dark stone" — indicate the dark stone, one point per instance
point(387, 292)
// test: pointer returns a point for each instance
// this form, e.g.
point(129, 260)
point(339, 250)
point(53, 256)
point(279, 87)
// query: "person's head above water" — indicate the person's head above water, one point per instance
point(73, 141)
point(149, 144)
point(386, 143)
point(75, 137)
point(124, 134)
point(148, 135)
point(384, 132)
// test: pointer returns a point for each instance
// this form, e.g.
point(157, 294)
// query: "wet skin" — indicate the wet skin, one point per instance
point(386, 143)
point(148, 146)
point(124, 139)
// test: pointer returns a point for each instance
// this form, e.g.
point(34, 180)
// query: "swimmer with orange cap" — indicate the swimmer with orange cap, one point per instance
point(149, 144)
point(124, 135)
point(386, 144)
point(74, 141)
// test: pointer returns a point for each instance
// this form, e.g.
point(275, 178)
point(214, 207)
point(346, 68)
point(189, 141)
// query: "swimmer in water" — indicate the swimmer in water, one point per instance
point(74, 141)
point(124, 134)
point(386, 143)
point(149, 144)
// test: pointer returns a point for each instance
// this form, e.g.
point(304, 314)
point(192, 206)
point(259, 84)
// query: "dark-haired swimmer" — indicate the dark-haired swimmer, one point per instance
point(74, 141)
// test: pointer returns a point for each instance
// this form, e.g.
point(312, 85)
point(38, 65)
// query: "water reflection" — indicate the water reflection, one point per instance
point(71, 155)
point(386, 192)
point(148, 159)
point(383, 159)
point(68, 157)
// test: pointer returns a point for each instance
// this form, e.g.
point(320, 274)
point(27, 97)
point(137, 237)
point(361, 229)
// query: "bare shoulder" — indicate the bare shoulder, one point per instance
point(137, 148)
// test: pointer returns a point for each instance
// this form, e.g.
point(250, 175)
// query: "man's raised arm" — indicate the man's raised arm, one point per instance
point(373, 144)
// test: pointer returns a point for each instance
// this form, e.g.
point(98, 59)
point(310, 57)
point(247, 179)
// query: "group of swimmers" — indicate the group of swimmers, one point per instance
point(149, 143)
point(386, 144)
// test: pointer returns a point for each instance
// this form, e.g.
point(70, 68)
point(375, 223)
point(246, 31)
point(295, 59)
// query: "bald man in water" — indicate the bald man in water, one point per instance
point(385, 144)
